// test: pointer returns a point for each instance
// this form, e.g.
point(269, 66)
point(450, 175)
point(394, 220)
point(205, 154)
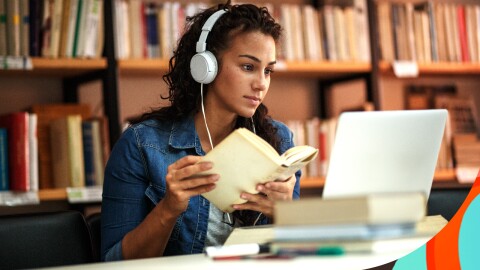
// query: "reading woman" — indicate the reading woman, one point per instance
point(152, 205)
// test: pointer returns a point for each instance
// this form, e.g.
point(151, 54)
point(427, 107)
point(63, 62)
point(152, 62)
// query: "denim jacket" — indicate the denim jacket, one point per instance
point(135, 182)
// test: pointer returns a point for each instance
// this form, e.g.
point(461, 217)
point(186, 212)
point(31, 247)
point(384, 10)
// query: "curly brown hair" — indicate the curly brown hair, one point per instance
point(184, 91)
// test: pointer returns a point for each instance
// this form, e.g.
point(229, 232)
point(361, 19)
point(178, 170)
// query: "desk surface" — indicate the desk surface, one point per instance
point(200, 261)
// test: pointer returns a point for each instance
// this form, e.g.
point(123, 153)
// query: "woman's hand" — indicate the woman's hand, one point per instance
point(270, 192)
point(181, 185)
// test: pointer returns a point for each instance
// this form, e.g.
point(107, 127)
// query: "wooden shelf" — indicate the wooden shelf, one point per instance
point(442, 179)
point(304, 69)
point(445, 68)
point(52, 194)
point(61, 67)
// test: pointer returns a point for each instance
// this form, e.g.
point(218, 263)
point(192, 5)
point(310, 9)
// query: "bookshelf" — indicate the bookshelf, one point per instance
point(110, 70)
point(437, 69)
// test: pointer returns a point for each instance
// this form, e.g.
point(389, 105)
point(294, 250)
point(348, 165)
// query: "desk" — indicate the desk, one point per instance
point(200, 261)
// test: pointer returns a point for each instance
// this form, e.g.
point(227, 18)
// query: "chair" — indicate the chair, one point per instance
point(44, 240)
point(446, 202)
point(94, 223)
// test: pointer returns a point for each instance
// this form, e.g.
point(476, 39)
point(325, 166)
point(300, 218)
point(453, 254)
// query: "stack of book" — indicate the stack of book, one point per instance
point(365, 224)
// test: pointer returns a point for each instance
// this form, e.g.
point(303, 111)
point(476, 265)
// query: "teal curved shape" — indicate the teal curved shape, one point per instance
point(469, 236)
point(416, 259)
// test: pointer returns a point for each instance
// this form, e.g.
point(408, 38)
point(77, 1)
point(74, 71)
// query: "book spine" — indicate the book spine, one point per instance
point(78, 28)
point(70, 34)
point(4, 185)
point(33, 148)
point(88, 153)
point(462, 34)
point(35, 18)
point(92, 28)
point(24, 28)
point(152, 31)
point(3, 29)
point(75, 151)
point(18, 154)
point(13, 27)
point(97, 152)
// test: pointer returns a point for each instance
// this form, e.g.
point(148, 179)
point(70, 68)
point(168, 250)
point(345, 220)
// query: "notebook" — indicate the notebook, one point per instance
point(385, 151)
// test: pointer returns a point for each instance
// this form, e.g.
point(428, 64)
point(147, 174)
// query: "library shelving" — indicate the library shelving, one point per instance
point(109, 69)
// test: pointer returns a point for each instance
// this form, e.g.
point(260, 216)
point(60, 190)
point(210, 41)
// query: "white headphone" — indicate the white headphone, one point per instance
point(203, 65)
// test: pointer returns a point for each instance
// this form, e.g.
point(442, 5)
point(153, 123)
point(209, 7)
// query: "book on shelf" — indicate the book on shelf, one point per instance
point(244, 160)
point(93, 30)
point(467, 156)
point(46, 113)
point(93, 152)
point(437, 32)
point(33, 150)
point(67, 151)
point(462, 113)
point(4, 181)
point(3, 29)
point(368, 209)
point(18, 149)
point(423, 96)
point(13, 27)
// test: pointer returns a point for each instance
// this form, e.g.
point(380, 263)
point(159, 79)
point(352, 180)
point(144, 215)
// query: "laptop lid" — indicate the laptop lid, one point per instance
point(384, 151)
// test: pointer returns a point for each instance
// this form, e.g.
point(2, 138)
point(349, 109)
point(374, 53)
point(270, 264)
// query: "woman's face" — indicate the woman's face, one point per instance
point(244, 76)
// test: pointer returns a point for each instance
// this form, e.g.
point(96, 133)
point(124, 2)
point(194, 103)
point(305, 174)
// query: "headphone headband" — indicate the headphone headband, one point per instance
point(206, 28)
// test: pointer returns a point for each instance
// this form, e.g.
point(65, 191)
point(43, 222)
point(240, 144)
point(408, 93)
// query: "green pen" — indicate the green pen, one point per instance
point(320, 251)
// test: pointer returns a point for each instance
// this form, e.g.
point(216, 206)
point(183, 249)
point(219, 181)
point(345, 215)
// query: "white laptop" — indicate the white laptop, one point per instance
point(385, 151)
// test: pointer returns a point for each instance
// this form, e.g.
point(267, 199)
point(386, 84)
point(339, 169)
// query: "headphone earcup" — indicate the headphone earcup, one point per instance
point(203, 67)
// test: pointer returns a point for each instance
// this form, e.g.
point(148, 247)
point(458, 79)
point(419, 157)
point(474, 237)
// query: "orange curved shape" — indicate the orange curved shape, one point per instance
point(442, 250)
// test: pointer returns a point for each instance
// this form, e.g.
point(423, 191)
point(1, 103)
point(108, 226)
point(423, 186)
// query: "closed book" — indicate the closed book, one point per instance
point(244, 160)
point(424, 231)
point(92, 28)
point(69, 34)
point(24, 27)
point(4, 185)
point(13, 27)
point(153, 45)
point(266, 235)
point(66, 8)
point(33, 148)
point(67, 152)
point(391, 208)
point(35, 24)
point(88, 153)
point(19, 153)
point(341, 232)
point(3, 28)
point(93, 152)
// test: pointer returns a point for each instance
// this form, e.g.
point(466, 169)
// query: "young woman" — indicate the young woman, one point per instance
point(152, 206)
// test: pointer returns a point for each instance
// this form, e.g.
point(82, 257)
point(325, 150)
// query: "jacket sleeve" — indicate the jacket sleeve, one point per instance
point(123, 201)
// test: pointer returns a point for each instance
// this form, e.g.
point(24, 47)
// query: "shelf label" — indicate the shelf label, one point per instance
point(466, 174)
point(84, 194)
point(16, 62)
point(12, 198)
point(405, 69)
point(281, 65)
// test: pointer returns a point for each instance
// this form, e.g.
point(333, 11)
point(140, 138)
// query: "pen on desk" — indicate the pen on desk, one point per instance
point(320, 251)
point(236, 250)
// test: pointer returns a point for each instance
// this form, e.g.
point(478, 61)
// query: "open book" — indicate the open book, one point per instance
point(244, 160)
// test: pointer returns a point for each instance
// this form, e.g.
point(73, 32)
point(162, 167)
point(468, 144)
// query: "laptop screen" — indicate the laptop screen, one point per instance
point(385, 151)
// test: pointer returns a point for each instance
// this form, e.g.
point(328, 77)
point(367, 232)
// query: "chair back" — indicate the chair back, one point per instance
point(94, 222)
point(44, 240)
